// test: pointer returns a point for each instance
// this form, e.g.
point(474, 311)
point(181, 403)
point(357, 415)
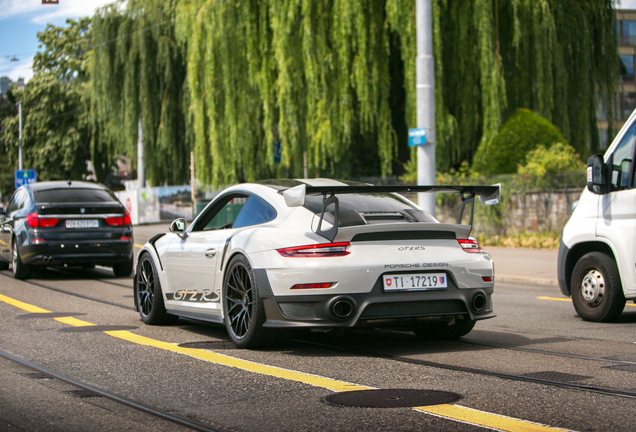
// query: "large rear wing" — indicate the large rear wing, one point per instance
point(295, 197)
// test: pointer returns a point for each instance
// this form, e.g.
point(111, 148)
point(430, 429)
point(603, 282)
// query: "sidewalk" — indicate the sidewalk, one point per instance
point(520, 265)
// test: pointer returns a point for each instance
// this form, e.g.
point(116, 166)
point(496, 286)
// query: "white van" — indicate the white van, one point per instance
point(597, 253)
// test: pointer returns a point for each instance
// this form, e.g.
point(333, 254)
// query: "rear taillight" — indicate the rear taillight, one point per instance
point(316, 251)
point(470, 246)
point(119, 220)
point(35, 221)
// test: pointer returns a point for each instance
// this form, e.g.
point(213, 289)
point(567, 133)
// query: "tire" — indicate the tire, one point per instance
point(148, 295)
point(443, 331)
point(596, 287)
point(123, 269)
point(243, 308)
point(20, 270)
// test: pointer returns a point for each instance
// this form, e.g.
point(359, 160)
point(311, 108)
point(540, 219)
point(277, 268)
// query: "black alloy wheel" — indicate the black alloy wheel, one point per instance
point(243, 308)
point(20, 270)
point(149, 297)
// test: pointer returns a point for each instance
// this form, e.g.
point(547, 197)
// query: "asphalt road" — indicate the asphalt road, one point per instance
point(587, 371)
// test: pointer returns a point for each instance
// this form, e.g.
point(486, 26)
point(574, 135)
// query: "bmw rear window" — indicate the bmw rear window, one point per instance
point(73, 196)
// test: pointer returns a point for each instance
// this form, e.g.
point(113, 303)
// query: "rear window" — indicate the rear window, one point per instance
point(73, 196)
point(364, 209)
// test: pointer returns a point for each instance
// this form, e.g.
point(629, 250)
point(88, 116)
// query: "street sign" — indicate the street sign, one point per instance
point(277, 151)
point(417, 137)
point(23, 177)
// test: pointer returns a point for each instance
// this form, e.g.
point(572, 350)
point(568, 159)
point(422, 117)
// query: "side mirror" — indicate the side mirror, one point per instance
point(178, 226)
point(597, 180)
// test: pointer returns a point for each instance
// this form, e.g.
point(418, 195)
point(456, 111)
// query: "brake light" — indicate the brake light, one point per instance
point(35, 221)
point(119, 220)
point(313, 285)
point(470, 246)
point(316, 251)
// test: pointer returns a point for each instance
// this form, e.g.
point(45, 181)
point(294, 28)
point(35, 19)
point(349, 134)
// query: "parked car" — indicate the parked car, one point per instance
point(277, 256)
point(597, 252)
point(61, 223)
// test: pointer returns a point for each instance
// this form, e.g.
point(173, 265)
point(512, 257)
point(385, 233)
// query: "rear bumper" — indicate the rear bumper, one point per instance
point(57, 253)
point(375, 308)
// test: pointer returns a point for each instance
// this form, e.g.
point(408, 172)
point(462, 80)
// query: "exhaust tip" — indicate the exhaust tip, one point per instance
point(478, 301)
point(342, 308)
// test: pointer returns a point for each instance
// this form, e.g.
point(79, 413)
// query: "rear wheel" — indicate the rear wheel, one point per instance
point(243, 308)
point(444, 331)
point(148, 295)
point(123, 269)
point(20, 270)
point(597, 293)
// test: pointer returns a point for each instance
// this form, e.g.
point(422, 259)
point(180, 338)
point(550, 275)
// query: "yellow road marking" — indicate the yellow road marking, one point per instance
point(569, 300)
point(452, 412)
point(3, 243)
point(495, 421)
point(137, 245)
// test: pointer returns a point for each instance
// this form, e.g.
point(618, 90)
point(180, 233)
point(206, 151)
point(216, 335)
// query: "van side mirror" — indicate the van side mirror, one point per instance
point(597, 179)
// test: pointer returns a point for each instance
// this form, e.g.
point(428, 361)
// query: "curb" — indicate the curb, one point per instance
point(526, 280)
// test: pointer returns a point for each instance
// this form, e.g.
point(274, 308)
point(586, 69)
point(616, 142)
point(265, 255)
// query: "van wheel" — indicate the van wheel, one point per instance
point(597, 292)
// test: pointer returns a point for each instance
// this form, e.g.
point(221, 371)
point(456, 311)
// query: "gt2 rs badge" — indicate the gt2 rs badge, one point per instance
point(411, 248)
point(193, 296)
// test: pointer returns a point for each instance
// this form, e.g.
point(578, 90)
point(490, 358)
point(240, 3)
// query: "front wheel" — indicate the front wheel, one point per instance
point(243, 308)
point(597, 292)
point(20, 270)
point(148, 295)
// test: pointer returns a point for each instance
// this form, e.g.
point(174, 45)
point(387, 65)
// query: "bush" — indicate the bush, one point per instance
point(557, 159)
point(523, 132)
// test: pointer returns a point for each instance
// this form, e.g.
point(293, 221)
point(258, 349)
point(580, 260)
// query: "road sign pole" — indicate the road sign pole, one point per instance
point(425, 80)
point(20, 135)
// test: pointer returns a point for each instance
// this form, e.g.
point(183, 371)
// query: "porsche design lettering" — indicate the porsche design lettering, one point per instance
point(193, 296)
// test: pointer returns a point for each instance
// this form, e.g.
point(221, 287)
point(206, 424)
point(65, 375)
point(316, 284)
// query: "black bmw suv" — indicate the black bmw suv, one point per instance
point(65, 223)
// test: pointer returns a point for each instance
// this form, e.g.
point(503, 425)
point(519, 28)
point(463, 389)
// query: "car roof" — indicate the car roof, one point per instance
point(42, 186)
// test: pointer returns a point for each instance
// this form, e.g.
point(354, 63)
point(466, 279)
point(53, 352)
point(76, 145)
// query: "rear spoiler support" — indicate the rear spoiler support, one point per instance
point(295, 197)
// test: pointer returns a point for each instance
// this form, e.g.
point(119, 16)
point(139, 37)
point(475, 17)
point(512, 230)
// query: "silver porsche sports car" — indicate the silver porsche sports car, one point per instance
point(273, 257)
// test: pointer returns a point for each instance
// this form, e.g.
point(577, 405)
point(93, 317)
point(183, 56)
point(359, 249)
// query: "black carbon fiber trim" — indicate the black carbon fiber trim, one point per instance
point(404, 235)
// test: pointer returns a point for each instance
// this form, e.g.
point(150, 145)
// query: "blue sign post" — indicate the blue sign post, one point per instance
point(417, 137)
point(23, 177)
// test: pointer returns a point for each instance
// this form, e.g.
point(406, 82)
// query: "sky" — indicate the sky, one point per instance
point(20, 20)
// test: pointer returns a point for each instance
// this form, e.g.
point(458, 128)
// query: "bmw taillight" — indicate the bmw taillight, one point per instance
point(119, 220)
point(470, 246)
point(316, 251)
point(35, 221)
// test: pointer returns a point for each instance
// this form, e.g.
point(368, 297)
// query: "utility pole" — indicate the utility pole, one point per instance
point(20, 135)
point(141, 171)
point(425, 80)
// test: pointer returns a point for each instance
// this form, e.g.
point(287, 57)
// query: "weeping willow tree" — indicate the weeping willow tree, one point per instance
point(333, 81)
point(138, 73)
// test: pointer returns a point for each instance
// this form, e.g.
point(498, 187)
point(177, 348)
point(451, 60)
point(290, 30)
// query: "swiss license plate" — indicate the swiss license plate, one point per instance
point(415, 282)
point(82, 223)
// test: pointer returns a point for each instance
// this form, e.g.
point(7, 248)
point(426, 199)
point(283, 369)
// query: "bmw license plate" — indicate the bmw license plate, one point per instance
point(415, 282)
point(82, 223)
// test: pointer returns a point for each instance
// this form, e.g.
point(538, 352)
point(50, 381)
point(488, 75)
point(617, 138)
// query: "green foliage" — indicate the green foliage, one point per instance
point(523, 132)
point(56, 132)
point(137, 73)
point(556, 159)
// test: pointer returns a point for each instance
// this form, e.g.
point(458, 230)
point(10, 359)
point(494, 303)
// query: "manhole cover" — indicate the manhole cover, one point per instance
point(392, 398)
point(209, 345)
point(49, 315)
point(98, 328)
point(556, 376)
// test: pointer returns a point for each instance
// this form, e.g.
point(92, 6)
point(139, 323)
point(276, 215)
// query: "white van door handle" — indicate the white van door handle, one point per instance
point(209, 253)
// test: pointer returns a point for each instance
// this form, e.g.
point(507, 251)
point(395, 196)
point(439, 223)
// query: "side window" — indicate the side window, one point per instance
point(622, 162)
point(254, 212)
point(222, 214)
